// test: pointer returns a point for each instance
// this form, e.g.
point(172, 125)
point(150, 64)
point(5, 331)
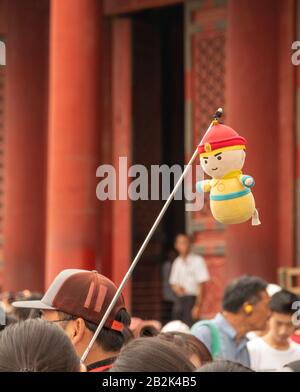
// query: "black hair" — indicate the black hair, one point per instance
point(294, 366)
point(220, 366)
point(282, 301)
point(108, 339)
point(151, 355)
point(37, 345)
point(128, 335)
point(148, 331)
point(245, 289)
point(189, 344)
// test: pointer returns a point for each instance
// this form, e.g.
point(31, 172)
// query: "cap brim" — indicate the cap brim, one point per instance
point(32, 305)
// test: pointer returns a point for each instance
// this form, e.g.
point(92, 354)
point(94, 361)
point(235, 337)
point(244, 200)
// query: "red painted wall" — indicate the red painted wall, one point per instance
point(253, 108)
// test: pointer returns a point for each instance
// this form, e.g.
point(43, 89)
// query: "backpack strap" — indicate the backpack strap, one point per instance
point(214, 333)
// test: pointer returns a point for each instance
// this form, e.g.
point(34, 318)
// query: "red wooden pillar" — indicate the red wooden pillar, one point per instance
point(105, 258)
point(121, 130)
point(287, 136)
point(252, 109)
point(297, 118)
point(73, 219)
point(25, 109)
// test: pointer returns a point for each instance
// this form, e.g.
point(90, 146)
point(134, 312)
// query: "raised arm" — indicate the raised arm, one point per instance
point(203, 186)
point(247, 181)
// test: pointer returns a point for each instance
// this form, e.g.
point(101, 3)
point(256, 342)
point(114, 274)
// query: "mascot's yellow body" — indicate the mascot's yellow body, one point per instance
point(222, 156)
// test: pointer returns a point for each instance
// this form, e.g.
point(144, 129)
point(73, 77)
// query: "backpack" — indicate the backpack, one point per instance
point(215, 336)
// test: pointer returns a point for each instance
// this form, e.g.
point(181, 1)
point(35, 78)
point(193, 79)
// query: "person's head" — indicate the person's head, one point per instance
point(151, 354)
point(221, 366)
point(182, 244)
point(281, 326)
point(25, 313)
point(140, 327)
point(35, 345)
point(9, 320)
point(176, 326)
point(192, 347)
point(6, 299)
point(148, 330)
point(248, 299)
point(77, 301)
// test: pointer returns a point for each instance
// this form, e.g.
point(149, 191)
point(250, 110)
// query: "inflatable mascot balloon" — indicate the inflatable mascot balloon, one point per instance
point(222, 157)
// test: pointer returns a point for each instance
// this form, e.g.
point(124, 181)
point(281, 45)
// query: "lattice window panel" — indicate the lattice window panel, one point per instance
point(205, 22)
point(208, 55)
point(209, 81)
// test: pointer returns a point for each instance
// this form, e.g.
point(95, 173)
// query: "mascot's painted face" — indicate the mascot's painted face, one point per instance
point(222, 163)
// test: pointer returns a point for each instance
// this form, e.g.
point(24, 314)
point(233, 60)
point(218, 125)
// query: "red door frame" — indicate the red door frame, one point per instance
point(116, 7)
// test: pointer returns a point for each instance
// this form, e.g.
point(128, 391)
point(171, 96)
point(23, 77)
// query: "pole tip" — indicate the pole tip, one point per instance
point(218, 114)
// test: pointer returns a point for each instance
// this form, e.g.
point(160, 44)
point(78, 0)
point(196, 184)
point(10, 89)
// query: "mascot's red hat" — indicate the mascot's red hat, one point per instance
point(220, 138)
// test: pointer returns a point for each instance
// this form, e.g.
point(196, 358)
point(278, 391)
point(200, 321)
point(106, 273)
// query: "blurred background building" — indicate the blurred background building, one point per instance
point(88, 81)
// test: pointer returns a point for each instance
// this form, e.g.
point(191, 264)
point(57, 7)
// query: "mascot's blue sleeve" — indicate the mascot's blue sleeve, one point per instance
point(199, 186)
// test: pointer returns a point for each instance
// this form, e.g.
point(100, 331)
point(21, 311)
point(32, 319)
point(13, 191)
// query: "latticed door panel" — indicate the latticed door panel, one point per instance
point(205, 38)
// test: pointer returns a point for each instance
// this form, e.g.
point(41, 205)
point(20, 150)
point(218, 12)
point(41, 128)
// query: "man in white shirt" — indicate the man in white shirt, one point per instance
point(274, 350)
point(188, 274)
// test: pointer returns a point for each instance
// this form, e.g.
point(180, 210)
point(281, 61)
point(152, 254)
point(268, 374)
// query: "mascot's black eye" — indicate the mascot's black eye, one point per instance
point(219, 157)
point(205, 162)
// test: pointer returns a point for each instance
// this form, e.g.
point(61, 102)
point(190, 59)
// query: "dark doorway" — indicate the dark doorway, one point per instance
point(158, 138)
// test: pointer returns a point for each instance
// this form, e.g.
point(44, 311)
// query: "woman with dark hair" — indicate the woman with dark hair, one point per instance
point(36, 345)
point(151, 354)
point(221, 366)
point(192, 347)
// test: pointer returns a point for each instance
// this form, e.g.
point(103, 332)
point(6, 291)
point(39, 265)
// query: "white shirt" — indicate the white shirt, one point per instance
point(263, 357)
point(188, 273)
point(251, 335)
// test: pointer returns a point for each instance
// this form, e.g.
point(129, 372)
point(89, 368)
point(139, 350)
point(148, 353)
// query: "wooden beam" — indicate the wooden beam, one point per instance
point(115, 7)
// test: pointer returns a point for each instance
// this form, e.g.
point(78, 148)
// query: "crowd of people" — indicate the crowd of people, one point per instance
point(255, 329)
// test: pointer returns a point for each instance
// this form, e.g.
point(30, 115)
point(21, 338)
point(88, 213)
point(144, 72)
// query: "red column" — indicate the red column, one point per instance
point(26, 38)
point(73, 221)
point(297, 118)
point(252, 109)
point(121, 131)
point(287, 134)
point(105, 258)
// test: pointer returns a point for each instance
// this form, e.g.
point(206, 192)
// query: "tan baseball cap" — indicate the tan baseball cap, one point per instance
point(80, 293)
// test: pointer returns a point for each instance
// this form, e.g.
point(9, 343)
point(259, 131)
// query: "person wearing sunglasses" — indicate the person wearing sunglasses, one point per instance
point(76, 301)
